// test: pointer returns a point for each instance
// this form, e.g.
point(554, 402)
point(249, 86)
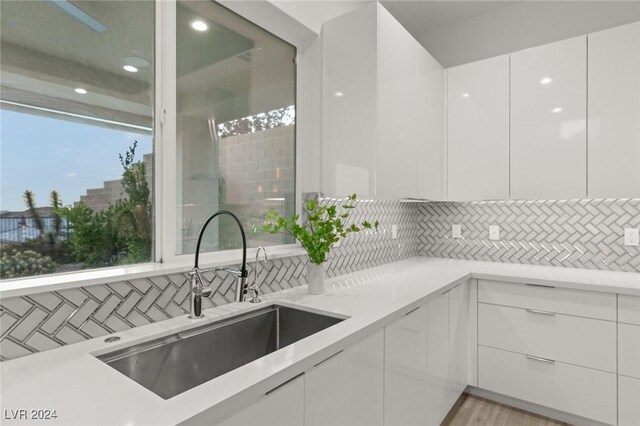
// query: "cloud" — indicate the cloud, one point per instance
point(72, 174)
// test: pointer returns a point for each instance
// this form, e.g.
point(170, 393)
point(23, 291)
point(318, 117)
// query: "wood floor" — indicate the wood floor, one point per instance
point(472, 410)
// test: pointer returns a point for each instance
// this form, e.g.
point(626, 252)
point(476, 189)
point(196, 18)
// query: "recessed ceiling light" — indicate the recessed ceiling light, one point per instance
point(80, 90)
point(136, 62)
point(338, 94)
point(130, 68)
point(465, 95)
point(546, 80)
point(556, 110)
point(199, 25)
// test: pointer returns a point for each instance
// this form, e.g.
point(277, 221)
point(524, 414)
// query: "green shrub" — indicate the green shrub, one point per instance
point(25, 263)
point(120, 234)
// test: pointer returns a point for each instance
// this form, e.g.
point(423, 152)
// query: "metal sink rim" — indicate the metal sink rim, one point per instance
point(131, 349)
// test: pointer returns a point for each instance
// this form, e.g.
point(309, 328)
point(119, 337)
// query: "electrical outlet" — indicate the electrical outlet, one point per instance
point(394, 232)
point(456, 231)
point(494, 232)
point(631, 237)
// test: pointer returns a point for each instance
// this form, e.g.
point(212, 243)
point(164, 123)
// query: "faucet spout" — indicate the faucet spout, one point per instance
point(197, 286)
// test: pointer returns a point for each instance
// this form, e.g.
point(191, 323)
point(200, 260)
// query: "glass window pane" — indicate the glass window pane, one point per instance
point(76, 93)
point(235, 125)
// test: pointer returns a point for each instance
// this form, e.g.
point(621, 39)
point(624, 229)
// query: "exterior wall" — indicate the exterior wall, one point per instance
point(100, 198)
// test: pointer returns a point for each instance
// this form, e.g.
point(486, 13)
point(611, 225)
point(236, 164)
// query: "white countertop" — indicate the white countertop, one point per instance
point(85, 391)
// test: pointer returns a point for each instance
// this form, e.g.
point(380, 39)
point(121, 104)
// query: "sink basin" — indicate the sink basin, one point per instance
point(176, 363)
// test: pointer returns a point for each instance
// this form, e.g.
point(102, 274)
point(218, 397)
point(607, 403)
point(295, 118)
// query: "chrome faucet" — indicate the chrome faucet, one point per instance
point(198, 289)
point(254, 289)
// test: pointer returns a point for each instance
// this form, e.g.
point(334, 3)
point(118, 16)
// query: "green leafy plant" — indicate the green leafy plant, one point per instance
point(120, 234)
point(25, 263)
point(324, 226)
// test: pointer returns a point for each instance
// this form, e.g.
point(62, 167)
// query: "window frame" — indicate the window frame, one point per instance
point(165, 166)
point(165, 261)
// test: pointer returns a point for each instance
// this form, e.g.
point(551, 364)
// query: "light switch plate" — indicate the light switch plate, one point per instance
point(456, 231)
point(631, 237)
point(494, 232)
point(394, 232)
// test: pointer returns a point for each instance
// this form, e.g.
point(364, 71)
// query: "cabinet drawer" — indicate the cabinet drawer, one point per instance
point(629, 309)
point(629, 350)
point(576, 390)
point(575, 340)
point(559, 300)
point(628, 401)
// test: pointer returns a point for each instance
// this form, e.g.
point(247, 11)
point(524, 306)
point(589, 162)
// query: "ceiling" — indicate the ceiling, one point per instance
point(422, 16)
point(458, 32)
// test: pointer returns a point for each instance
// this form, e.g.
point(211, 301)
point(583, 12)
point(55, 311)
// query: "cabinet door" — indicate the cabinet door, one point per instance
point(458, 336)
point(349, 130)
point(347, 389)
point(398, 102)
point(614, 112)
point(281, 407)
point(430, 152)
point(478, 130)
point(628, 401)
point(438, 385)
point(405, 370)
point(548, 121)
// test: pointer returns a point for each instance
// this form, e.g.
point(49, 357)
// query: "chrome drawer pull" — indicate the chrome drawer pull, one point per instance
point(280, 386)
point(328, 358)
point(537, 358)
point(412, 311)
point(535, 311)
point(541, 285)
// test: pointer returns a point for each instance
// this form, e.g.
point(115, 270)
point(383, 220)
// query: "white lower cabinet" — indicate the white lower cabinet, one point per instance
point(629, 350)
point(577, 390)
point(283, 406)
point(629, 361)
point(446, 351)
point(628, 401)
point(437, 359)
point(549, 346)
point(575, 340)
point(405, 370)
point(347, 388)
point(458, 339)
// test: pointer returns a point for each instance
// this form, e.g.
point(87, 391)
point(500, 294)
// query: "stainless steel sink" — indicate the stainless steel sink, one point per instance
point(173, 364)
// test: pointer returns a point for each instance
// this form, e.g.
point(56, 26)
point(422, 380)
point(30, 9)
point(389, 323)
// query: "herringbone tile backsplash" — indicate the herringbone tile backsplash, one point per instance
point(574, 233)
point(45, 321)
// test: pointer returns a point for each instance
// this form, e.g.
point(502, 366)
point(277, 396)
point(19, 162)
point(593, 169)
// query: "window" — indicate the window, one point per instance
point(77, 85)
point(77, 89)
point(235, 126)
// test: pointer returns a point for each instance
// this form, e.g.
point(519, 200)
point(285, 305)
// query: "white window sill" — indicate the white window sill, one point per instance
point(55, 282)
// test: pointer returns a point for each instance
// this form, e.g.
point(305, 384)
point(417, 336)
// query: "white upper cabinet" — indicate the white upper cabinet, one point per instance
point(430, 153)
point(349, 130)
point(379, 86)
point(478, 130)
point(614, 113)
point(548, 121)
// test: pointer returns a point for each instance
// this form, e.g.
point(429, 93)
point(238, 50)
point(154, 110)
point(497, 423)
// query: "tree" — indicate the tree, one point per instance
point(30, 200)
point(121, 233)
point(56, 203)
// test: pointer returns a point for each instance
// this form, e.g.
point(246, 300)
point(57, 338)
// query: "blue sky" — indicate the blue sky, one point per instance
point(44, 154)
